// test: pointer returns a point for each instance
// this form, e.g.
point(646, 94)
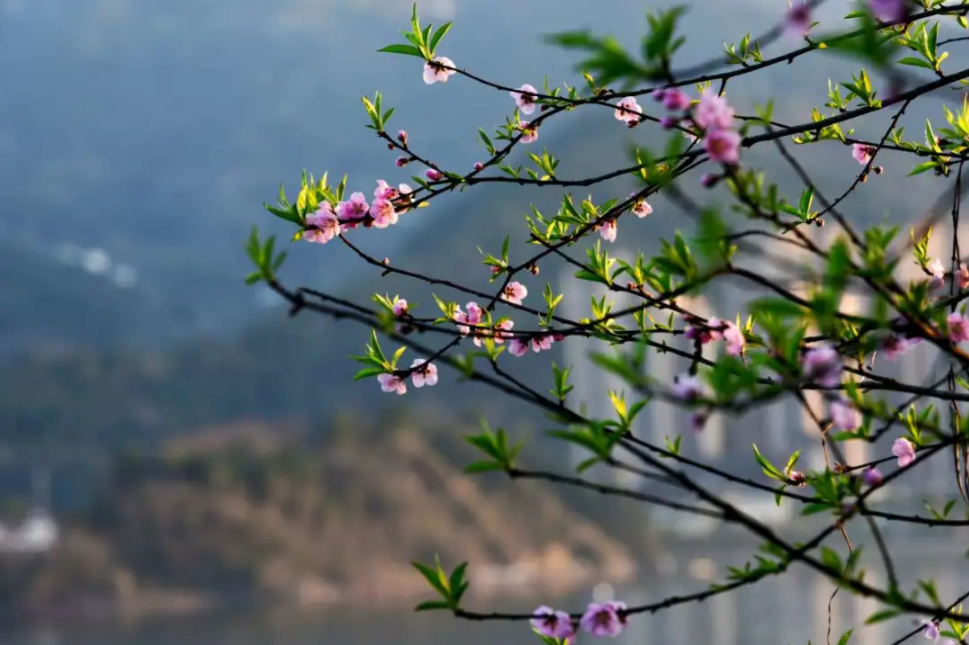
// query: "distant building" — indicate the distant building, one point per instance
point(37, 533)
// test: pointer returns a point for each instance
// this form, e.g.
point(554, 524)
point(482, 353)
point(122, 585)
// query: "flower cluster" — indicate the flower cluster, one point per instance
point(600, 619)
point(328, 221)
point(715, 116)
point(472, 321)
point(422, 373)
point(717, 329)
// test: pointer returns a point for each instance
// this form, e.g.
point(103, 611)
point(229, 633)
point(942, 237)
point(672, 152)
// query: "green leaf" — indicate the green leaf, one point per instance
point(438, 35)
point(367, 372)
point(482, 467)
point(882, 615)
point(813, 509)
point(830, 558)
point(431, 605)
point(922, 167)
point(769, 469)
point(457, 576)
point(288, 215)
point(915, 62)
point(407, 50)
point(433, 577)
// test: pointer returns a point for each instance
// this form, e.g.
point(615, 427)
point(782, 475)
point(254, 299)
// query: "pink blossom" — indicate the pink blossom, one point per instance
point(709, 179)
point(354, 209)
point(514, 293)
point(687, 388)
point(607, 230)
point(525, 98)
point(963, 276)
point(937, 272)
point(425, 373)
point(715, 328)
point(845, 416)
point(698, 420)
point(822, 365)
point(734, 338)
point(402, 137)
point(713, 112)
point(433, 175)
point(601, 619)
point(695, 331)
point(958, 327)
point(401, 162)
point(628, 111)
point(904, 450)
point(872, 476)
point(894, 346)
point(400, 307)
point(383, 213)
point(541, 343)
point(385, 191)
point(529, 132)
point(467, 319)
point(478, 166)
point(434, 70)
point(723, 146)
point(517, 347)
point(552, 624)
point(641, 208)
point(798, 20)
point(887, 10)
point(688, 126)
point(326, 223)
point(502, 329)
point(392, 383)
point(931, 629)
point(668, 122)
point(862, 153)
point(404, 198)
point(676, 100)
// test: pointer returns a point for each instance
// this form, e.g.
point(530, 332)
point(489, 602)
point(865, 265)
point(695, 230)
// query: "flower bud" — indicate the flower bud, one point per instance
point(872, 476)
point(709, 180)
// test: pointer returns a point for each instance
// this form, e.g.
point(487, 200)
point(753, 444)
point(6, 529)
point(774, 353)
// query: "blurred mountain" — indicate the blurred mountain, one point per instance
point(249, 510)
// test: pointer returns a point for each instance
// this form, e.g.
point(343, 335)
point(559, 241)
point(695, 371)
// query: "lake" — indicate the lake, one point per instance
point(789, 610)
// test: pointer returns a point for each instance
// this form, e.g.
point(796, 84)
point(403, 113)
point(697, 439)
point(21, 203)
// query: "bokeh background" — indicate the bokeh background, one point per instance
point(181, 462)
